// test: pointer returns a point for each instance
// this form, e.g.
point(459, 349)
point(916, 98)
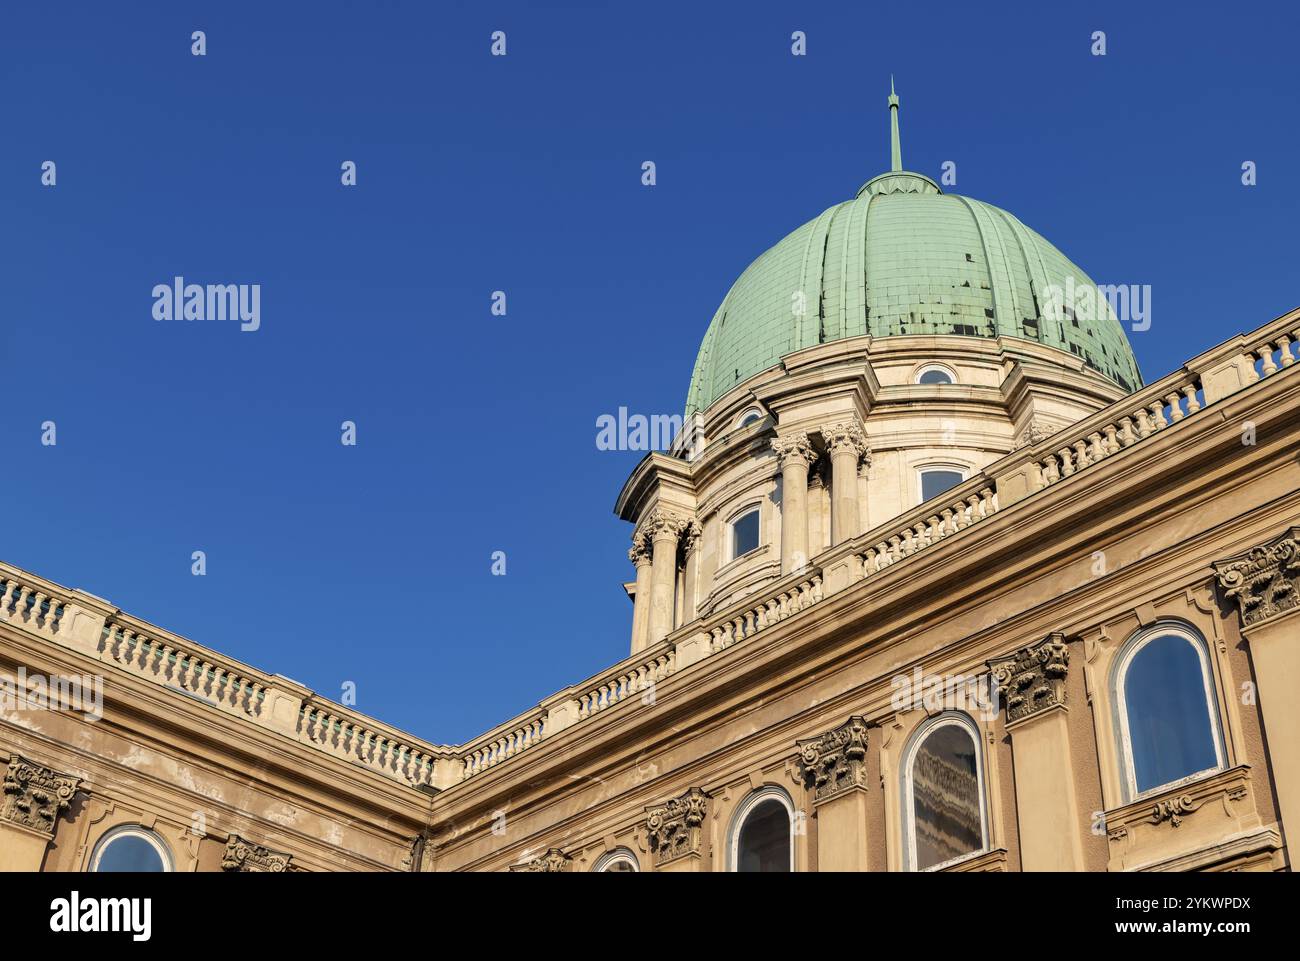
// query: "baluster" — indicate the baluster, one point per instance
point(1284, 344)
point(1097, 451)
point(1174, 400)
point(1193, 405)
point(1266, 355)
point(37, 599)
point(1158, 415)
point(1081, 455)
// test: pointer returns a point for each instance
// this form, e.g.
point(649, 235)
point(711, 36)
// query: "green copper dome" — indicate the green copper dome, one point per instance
point(904, 258)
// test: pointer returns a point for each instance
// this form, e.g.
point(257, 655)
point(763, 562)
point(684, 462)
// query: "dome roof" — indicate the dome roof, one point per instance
point(904, 258)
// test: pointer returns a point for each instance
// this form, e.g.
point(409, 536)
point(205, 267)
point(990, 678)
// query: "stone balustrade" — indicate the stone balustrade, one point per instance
point(93, 627)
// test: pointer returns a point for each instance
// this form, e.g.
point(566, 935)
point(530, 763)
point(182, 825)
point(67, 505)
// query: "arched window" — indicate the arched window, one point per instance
point(762, 836)
point(935, 480)
point(618, 861)
point(1168, 714)
point(131, 848)
point(943, 793)
point(749, 417)
point(744, 533)
point(935, 374)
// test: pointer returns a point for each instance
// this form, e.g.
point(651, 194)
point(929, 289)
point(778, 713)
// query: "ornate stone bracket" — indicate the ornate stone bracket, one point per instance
point(1032, 680)
point(835, 761)
point(691, 533)
point(1264, 581)
point(245, 857)
point(554, 861)
point(35, 796)
point(673, 829)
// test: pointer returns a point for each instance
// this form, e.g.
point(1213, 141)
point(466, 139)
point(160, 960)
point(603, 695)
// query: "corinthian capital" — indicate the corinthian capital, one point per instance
point(35, 796)
point(690, 537)
point(1033, 679)
point(847, 437)
point(662, 523)
point(640, 552)
point(674, 828)
point(793, 447)
point(1265, 580)
point(835, 761)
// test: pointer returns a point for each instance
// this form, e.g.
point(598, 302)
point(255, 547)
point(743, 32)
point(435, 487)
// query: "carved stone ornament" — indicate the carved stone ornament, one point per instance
point(691, 534)
point(1174, 809)
point(35, 796)
point(1035, 433)
point(554, 861)
point(795, 446)
point(1032, 679)
point(847, 437)
point(1264, 581)
point(674, 828)
point(640, 552)
point(248, 858)
point(835, 761)
point(661, 523)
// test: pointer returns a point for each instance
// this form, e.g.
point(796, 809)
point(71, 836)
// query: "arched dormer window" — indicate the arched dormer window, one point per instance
point(618, 861)
point(131, 848)
point(1164, 695)
point(944, 808)
point(762, 833)
point(935, 374)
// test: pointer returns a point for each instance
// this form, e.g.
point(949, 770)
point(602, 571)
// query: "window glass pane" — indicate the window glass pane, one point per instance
point(934, 376)
point(749, 418)
point(935, 482)
point(1168, 719)
point(744, 534)
point(764, 842)
point(620, 867)
point(946, 797)
point(129, 853)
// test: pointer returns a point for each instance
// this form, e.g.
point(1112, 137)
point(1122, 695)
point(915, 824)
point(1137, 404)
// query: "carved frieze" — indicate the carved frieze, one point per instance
point(35, 796)
point(554, 861)
point(835, 761)
point(248, 858)
point(1032, 679)
point(674, 828)
point(1264, 581)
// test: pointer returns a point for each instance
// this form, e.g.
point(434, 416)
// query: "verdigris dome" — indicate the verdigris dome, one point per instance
point(905, 258)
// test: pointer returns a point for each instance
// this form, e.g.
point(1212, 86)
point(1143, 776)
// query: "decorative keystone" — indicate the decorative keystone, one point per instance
point(674, 828)
point(1032, 680)
point(836, 761)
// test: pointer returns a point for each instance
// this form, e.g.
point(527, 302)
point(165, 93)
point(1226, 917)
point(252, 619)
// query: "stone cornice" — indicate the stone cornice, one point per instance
point(554, 861)
point(1032, 680)
point(244, 857)
point(35, 796)
point(1265, 580)
point(836, 761)
point(673, 829)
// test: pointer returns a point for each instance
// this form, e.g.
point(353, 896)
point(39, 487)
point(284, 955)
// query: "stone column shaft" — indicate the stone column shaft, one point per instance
point(662, 530)
point(847, 448)
point(640, 556)
point(795, 455)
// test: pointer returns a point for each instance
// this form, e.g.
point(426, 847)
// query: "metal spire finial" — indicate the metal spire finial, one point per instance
point(895, 146)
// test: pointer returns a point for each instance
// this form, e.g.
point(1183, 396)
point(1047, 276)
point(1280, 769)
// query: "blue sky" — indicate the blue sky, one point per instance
point(476, 433)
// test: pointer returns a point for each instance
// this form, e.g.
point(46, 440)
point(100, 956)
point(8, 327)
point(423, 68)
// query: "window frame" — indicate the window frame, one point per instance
point(934, 365)
point(768, 792)
point(152, 838)
point(616, 856)
point(750, 507)
point(908, 801)
point(1119, 698)
point(753, 412)
point(922, 469)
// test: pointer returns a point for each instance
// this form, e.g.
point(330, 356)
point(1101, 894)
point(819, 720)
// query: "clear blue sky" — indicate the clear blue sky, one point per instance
point(476, 433)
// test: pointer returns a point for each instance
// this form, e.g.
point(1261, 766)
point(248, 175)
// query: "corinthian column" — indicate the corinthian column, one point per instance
point(691, 548)
point(795, 455)
point(662, 528)
point(640, 556)
point(847, 448)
